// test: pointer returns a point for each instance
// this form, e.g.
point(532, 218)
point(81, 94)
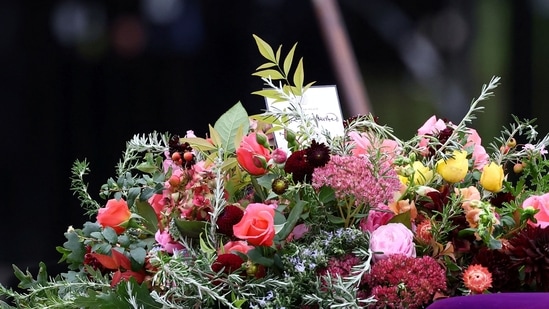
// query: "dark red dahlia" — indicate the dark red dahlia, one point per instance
point(318, 154)
point(91, 261)
point(505, 278)
point(228, 263)
point(298, 165)
point(529, 249)
point(230, 216)
point(502, 197)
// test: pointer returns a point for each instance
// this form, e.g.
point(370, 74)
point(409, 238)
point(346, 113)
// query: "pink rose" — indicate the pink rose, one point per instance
point(115, 214)
point(236, 246)
point(432, 126)
point(165, 240)
point(363, 145)
point(392, 238)
point(541, 203)
point(251, 155)
point(480, 157)
point(257, 225)
point(376, 218)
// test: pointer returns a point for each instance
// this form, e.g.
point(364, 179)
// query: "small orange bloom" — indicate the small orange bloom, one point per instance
point(477, 278)
point(423, 231)
point(402, 206)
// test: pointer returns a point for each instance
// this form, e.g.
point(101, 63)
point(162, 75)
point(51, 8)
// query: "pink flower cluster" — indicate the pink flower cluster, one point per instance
point(356, 176)
point(403, 282)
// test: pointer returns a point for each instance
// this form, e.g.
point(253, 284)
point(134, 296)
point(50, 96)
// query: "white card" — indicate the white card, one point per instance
point(322, 102)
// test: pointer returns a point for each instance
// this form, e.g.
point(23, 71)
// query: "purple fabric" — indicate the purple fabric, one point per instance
point(497, 300)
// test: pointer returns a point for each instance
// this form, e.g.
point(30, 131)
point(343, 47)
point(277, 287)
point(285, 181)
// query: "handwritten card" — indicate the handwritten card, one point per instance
point(322, 102)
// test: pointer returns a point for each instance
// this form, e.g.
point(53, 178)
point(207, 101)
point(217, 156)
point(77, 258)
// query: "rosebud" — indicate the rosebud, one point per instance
point(289, 136)
point(262, 140)
point(492, 177)
point(259, 161)
point(279, 156)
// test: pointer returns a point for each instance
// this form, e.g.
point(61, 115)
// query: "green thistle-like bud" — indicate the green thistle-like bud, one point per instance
point(280, 185)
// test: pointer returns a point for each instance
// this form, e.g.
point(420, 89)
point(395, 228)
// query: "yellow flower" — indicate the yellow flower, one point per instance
point(492, 177)
point(454, 169)
point(422, 174)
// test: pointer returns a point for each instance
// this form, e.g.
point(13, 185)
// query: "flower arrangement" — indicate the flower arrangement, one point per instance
point(360, 220)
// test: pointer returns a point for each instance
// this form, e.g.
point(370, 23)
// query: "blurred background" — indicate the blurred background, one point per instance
point(80, 77)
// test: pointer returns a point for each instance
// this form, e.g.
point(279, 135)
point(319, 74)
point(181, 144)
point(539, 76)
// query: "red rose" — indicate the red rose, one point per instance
point(115, 214)
point(252, 156)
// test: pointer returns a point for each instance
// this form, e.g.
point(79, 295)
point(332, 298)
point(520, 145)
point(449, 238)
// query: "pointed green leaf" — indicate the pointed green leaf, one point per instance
point(200, 144)
point(264, 49)
point(266, 66)
point(288, 60)
point(272, 74)
point(268, 93)
point(150, 220)
point(403, 218)
point(216, 138)
point(229, 124)
point(191, 229)
point(294, 215)
point(299, 76)
point(278, 52)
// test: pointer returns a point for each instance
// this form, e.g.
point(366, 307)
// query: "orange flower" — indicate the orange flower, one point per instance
point(423, 231)
point(115, 214)
point(477, 278)
point(402, 206)
point(468, 195)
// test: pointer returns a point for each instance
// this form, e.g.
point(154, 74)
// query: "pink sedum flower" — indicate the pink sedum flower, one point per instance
point(391, 239)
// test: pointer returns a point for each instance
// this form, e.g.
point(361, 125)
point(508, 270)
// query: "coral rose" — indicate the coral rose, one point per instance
point(257, 225)
point(252, 156)
point(115, 214)
point(393, 238)
point(235, 246)
point(541, 203)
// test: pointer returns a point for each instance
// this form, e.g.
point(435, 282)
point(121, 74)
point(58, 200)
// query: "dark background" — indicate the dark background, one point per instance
point(80, 78)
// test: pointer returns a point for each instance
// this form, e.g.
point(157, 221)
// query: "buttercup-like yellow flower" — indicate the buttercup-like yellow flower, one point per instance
point(454, 169)
point(422, 174)
point(492, 177)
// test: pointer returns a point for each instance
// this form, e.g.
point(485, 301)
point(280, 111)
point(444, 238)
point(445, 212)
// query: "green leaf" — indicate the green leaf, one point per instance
point(147, 167)
point(265, 49)
point(73, 244)
point(145, 210)
point(288, 60)
point(294, 215)
point(268, 93)
point(403, 218)
point(326, 194)
point(198, 143)
point(256, 255)
point(138, 255)
point(214, 135)
point(272, 74)
point(266, 66)
point(229, 124)
point(299, 77)
point(191, 229)
point(110, 235)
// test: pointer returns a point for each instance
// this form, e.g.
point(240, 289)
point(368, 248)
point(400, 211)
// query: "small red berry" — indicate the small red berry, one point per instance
point(188, 156)
point(176, 156)
point(174, 181)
